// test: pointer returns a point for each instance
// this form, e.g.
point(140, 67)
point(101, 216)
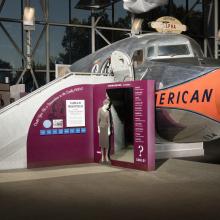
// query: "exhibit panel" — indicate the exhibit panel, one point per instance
point(61, 131)
point(78, 125)
point(13, 139)
point(132, 124)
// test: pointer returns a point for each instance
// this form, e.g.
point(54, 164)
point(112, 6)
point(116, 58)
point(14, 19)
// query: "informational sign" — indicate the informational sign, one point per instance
point(140, 122)
point(66, 128)
point(50, 141)
point(168, 24)
point(75, 113)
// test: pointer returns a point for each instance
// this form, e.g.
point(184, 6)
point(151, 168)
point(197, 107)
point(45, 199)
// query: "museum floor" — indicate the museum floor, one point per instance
point(178, 189)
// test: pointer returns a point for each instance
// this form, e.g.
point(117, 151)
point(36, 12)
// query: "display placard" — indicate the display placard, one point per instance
point(53, 138)
point(75, 113)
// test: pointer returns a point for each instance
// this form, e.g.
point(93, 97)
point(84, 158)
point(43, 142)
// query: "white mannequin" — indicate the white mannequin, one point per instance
point(105, 151)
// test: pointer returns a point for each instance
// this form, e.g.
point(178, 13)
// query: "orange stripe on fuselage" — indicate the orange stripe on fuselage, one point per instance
point(200, 95)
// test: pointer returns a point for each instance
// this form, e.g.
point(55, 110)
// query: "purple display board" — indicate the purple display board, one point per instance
point(50, 141)
point(64, 130)
point(143, 120)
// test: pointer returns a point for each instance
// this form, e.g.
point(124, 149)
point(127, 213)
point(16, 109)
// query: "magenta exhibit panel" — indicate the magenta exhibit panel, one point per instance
point(132, 131)
point(53, 139)
point(107, 123)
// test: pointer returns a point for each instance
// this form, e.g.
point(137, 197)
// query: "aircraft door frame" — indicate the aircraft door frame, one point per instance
point(122, 66)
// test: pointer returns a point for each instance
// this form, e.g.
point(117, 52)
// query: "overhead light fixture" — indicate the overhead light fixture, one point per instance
point(94, 4)
point(29, 18)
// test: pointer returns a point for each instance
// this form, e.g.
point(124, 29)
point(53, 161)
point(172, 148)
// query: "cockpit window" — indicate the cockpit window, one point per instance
point(173, 50)
point(196, 49)
point(150, 52)
point(138, 57)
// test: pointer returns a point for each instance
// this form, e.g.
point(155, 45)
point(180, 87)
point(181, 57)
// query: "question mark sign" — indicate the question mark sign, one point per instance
point(141, 149)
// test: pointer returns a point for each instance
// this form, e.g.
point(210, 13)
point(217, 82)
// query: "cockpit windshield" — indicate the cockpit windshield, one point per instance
point(173, 50)
point(168, 51)
point(197, 51)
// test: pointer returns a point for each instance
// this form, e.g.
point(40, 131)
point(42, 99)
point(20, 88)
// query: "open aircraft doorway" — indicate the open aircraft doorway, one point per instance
point(122, 66)
point(122, 124)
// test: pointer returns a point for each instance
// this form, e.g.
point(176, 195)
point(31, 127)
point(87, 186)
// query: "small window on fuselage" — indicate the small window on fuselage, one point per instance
point(150, 52)
point(138, 57)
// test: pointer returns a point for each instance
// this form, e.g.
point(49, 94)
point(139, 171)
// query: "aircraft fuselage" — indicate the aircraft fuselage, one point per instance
point(187, 106)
